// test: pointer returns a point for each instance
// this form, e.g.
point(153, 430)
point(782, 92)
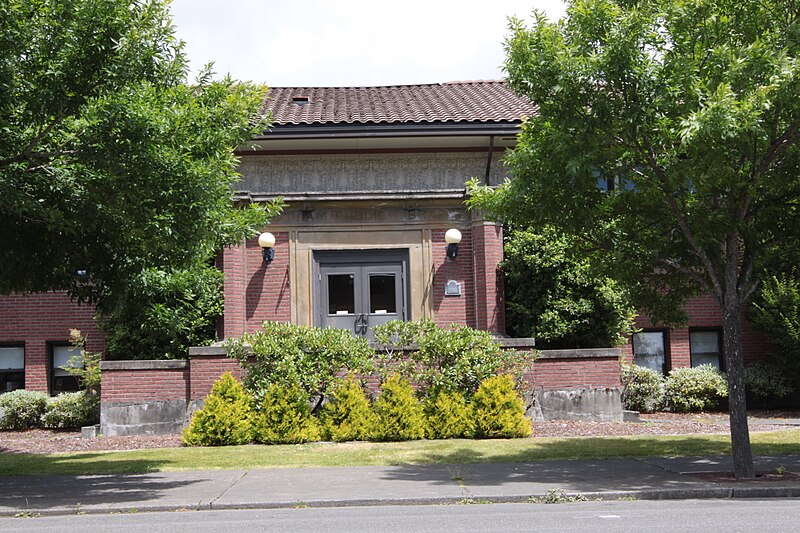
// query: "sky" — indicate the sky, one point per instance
point(317, 43)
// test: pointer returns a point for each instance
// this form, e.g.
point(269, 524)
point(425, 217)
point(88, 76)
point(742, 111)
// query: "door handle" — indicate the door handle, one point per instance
point(361, 324)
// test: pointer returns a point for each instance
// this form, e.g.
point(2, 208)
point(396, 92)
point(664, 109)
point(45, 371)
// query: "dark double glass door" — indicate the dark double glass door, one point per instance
point(360, 289)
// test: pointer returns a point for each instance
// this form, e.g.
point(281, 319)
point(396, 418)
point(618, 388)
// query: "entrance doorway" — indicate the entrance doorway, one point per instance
point(359, 289)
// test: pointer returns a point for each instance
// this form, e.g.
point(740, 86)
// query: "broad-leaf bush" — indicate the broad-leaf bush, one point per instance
point(161, 313)
point(499, 410)
point(552, 295)
point(449, 416)
point(642, 389)
point(284, 417)
point(400, 415)
point(438, 359)
point(22, 409)
point(767, 382)
point(349, 415)
point(71, 410)
point(309, 357)
point(776, 312)
point(695, 389)
point(226, 417)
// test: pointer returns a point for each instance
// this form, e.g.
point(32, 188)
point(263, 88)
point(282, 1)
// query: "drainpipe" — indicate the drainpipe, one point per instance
point(489, 160)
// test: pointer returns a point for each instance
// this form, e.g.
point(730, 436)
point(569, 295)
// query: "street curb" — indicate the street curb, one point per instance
point(719, 493)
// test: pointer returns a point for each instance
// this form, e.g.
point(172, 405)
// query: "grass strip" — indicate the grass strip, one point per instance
point(386, 454)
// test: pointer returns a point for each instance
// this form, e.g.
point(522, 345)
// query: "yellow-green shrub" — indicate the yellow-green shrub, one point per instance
point(499, 410)
point(284, 417)
point(226, 416)
point(400, 415)
point(448, 416)
point(349, 416)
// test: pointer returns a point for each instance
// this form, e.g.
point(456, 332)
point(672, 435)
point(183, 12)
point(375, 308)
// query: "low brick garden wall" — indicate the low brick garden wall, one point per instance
point(157, 397)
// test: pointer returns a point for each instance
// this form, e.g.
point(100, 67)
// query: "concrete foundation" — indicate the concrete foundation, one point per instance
point(145, 418)
point(593, 404)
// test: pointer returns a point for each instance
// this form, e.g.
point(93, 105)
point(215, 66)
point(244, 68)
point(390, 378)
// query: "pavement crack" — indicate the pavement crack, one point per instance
point(229, 487)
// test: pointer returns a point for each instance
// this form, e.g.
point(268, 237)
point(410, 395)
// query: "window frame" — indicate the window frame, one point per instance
point(665, 338)
point(720, 353)
point(5, 379)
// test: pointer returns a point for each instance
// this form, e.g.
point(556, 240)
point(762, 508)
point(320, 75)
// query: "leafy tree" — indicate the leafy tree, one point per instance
point(109, 162)
point(666, 139)
point(554, 297)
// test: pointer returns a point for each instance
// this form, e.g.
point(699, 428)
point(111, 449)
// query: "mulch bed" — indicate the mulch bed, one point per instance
point(49, 441)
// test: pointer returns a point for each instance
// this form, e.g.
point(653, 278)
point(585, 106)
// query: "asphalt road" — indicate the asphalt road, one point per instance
point(706, 516)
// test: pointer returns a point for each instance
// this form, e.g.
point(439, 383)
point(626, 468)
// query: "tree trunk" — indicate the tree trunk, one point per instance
point(732, 347)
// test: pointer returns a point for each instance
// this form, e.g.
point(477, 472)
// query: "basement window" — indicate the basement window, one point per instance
point(12, 368)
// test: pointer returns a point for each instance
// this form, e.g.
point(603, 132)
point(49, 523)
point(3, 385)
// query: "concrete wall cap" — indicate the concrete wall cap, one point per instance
point(585, 353)
point(144, 365)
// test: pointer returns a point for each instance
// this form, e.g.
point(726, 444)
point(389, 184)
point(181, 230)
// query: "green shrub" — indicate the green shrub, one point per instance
point(695, 389)
point(499, 410)
point(284, 417)
point(552, 295)
point(767, 382)
point(226, 418)
point(159, 314)
point(450, 360)
point(776, 312)
point(22, 409)
point(400, 415)
point(349, 416)
point(311, 358)
point(71, 410)
point(642, 389)
point(448, 416)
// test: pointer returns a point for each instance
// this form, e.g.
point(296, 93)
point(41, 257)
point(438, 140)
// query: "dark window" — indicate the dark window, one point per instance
point(382, 294)
point(12, 368)
point(650, 350)
point(61, 380)
point(341, 294)
point(706, 347)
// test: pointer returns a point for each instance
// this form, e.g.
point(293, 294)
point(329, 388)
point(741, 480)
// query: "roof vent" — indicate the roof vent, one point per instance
point(301, 100)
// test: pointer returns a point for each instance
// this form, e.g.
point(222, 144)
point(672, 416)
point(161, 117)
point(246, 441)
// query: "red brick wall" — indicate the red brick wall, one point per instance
point(489, 304)
point(144, 384)
point(206, 369)
point(255, 291)
point(576, 373)
point(267, 290)
point(35, 320)
point(450, 309)
point(704, 312)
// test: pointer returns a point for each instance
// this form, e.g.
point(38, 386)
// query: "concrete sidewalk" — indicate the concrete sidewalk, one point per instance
point(649, 478)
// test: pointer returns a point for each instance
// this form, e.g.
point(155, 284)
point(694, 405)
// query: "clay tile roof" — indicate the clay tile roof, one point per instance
point(462, 101)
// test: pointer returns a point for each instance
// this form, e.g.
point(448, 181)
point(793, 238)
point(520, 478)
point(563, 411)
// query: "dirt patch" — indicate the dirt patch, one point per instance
point(657, 424)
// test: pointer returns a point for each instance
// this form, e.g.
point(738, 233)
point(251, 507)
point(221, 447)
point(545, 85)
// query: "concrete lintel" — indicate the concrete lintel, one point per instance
point(144, 365)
